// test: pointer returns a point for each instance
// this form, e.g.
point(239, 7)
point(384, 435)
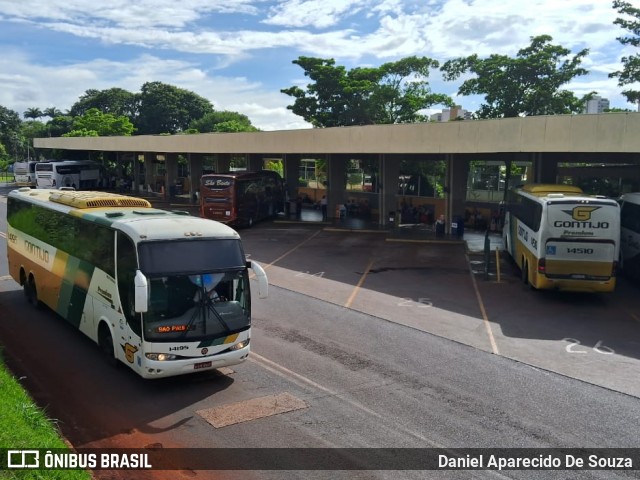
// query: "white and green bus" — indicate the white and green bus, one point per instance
point(630, 234)
point(162, 292)
point(562, 238)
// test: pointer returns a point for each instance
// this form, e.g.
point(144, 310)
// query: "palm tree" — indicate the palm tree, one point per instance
point(33, 112)
point(52, 112)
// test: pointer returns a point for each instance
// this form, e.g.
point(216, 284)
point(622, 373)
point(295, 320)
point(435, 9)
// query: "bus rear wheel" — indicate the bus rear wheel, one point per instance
point(31, 292)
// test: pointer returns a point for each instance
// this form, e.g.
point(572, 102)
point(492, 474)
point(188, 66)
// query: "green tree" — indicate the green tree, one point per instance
point(52, 112)
point(223, 121)
point(167, 109)
point(58, 126)
point(33, 113)
point(395, 92)
point(116, 101)
point(528, 84)
point(95, 123)
point(630, 72)
point(10, 131)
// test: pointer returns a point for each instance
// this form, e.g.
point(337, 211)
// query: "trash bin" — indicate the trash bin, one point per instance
point(457, 227)
point(392, 217)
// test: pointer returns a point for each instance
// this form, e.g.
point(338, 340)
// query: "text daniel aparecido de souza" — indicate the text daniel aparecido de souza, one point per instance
point(543, 461)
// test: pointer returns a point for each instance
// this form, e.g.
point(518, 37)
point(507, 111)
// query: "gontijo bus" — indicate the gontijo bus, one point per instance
point(163, 292)
point(561, 238)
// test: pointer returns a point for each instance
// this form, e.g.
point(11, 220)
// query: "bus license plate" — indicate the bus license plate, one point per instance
point(201, 365)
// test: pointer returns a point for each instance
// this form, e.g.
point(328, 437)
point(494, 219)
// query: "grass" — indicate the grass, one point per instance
point(25, 425)
point(6, 177)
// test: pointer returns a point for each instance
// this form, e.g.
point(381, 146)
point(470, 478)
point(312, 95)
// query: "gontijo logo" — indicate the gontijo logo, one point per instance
point(581, 218)
point(582, 213)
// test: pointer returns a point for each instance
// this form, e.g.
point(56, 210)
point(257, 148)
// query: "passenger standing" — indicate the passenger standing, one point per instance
point(323, 207)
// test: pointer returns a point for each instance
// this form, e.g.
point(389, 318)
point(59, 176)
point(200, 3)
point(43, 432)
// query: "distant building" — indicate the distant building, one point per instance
point(450, 114)
point(596, 105)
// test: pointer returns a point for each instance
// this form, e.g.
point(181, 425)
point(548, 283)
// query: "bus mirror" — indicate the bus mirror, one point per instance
point(261, 277)
point(141, 292)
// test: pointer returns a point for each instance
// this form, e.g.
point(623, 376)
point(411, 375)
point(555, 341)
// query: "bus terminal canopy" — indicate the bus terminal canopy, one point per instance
point(597, 133)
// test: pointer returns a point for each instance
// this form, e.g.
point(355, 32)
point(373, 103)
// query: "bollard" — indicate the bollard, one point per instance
point(487, 255)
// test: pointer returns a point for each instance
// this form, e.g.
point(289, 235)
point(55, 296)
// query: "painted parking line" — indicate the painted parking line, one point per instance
point(485, 318)
point(357, 287)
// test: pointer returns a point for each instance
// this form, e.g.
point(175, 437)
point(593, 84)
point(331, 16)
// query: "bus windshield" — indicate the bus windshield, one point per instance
point(201, 307)
point(198, 289)
point(188, 257)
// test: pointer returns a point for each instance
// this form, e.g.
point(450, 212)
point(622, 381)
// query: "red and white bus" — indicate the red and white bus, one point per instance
point(241, 198)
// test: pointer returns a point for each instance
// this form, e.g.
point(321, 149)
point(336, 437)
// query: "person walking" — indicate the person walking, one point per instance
point(323, 207)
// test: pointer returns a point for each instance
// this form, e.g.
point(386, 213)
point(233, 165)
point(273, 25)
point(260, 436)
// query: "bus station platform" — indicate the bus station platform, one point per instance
point(420, 233)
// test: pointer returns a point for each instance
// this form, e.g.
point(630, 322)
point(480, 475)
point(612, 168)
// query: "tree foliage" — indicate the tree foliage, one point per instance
point(630, 72)
point(529, 84)
point(116, 101)
point(223, 121)
point(395, 92)
point(33, 113)
point(165, 108)
point(95, 123)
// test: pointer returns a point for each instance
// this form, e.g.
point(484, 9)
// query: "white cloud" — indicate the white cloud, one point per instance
point(353, 32)
point(23, 88)
point(312, 13)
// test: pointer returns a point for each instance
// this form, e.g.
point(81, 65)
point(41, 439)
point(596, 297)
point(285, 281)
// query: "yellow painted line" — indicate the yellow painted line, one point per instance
point(354, 230)
point(485, 318)
point(426, 240)
point(292, 250)
point(357, 288)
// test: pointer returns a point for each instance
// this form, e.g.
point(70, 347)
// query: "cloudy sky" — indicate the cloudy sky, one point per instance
point(239, 53)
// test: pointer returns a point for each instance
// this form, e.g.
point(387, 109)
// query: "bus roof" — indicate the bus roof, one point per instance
point(541, 189)
point(134, 216)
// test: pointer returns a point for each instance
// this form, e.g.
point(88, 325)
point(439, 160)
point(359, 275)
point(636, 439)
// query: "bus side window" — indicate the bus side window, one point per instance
point(127, 264)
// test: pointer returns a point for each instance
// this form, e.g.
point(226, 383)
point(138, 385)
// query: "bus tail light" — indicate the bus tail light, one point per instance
point(614, 269)
point(542, 266)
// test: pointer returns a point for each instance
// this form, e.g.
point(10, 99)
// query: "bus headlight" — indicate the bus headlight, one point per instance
point(240, 345)
point(161, 357)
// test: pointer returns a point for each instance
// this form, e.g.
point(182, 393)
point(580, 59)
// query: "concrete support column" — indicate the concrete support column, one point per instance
point(136, 174)
point(196, 160)
point(149, 170)
point(457, 174)
point(337, 184)
point(546, 167)
point(390, 172)
point(171, 165)
point(223, 162)
point(255, 162)
point(292, 173)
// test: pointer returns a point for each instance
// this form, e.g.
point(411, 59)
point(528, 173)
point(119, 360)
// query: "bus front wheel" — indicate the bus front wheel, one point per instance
point(105, 342)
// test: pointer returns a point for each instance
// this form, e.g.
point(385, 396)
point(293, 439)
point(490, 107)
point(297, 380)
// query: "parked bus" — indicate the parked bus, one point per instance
point(78, 174)
point(163, 292)
point(630, 234)
point(25, 173)
point(561, 238)
point(241, 198)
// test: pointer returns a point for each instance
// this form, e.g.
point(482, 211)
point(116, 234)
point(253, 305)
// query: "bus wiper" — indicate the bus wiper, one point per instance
point(205, 305)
